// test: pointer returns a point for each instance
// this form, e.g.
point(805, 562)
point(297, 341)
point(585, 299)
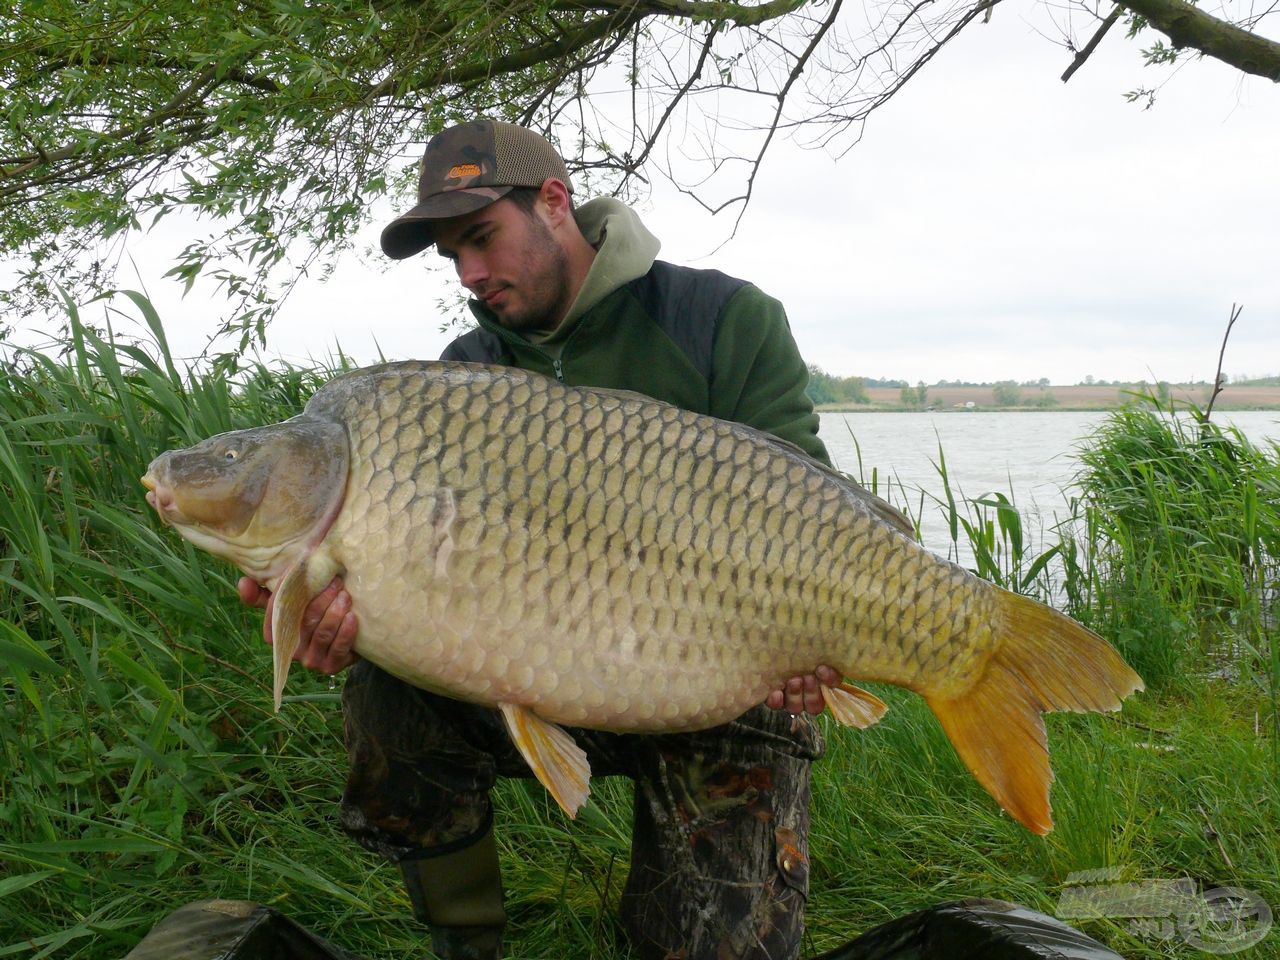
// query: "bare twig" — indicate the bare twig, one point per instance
point(1092, 45)
point(1212, 832)
point(1219, 381)
point(633, 164)
point(796, 71)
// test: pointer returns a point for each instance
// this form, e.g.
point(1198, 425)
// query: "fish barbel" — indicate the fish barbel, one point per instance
point(596, 558)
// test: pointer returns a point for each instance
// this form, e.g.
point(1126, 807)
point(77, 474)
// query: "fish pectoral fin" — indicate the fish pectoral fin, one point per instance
point(288, 602)
point(558, 762)
point(853, 706)
point(293, 594)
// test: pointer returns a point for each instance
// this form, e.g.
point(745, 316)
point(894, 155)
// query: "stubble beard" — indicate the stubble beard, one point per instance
point(546, 287)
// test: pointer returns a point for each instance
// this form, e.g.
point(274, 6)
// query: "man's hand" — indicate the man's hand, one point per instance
point(328, 626)
point(803, 694)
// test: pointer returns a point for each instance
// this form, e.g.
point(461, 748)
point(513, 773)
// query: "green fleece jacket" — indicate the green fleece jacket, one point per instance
point(694, 338)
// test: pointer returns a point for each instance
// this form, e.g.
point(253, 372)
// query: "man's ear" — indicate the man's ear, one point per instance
point(554, 196)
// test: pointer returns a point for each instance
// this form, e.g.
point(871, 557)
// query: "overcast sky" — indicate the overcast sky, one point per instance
point(993, 223)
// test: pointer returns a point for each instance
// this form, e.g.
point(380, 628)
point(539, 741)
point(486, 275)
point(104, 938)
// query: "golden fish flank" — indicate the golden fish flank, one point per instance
point(600, 559)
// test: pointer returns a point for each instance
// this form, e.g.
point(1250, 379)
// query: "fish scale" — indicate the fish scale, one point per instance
point(597, 558)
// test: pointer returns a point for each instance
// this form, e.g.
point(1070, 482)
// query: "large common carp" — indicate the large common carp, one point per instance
point(600, 559)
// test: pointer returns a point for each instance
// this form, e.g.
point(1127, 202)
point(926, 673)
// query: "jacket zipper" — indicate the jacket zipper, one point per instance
point(556, 363)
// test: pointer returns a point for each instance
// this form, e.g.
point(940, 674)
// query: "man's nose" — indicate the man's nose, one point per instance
point(472, 270)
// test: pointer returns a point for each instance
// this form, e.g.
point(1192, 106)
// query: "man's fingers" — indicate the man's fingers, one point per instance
point(319, 606)
point(804, 694)
point(341, 655)
point(794, 691)
point(252, 593)
point(328, 629)
point(813, 700)
point(316, 656)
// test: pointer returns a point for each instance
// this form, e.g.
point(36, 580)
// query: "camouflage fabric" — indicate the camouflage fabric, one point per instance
point(465, 168)
point(719, 859)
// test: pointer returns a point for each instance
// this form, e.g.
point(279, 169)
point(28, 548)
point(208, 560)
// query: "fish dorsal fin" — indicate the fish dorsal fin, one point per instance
point(618, 394)
point(293, 594)
point(882, 508)
point(558, 762)
point(852, 706)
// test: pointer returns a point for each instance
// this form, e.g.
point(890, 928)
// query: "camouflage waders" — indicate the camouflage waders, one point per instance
point(719, 857)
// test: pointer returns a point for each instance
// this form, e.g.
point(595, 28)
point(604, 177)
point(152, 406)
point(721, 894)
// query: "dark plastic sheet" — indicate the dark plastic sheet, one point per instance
point(964, 930)
point(232, 930)
point(973, 930)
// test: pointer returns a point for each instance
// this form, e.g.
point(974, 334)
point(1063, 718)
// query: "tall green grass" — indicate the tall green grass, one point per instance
point(143, 768)
point(1189, 513)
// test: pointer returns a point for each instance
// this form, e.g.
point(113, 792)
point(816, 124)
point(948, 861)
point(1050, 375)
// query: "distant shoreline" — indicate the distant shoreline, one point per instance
point(1053, 399)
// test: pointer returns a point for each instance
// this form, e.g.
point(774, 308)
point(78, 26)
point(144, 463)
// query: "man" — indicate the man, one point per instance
point(719, 856)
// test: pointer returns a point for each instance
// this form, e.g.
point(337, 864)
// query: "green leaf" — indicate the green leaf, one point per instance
point(10, 885)
point(16, 648)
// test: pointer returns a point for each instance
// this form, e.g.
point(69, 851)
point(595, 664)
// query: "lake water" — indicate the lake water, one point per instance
point(1028, 456)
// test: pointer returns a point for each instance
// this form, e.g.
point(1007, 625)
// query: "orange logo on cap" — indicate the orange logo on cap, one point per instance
point(463, 170)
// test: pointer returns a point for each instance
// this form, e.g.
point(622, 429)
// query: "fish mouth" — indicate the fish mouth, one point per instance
point(160, 498)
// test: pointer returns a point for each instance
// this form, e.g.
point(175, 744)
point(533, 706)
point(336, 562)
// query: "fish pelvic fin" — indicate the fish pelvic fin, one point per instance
point(556, 760)
point(1042, 661)
point(853, 706)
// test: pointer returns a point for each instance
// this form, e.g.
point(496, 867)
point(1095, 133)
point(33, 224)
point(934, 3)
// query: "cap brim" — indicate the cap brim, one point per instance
point(414, 231)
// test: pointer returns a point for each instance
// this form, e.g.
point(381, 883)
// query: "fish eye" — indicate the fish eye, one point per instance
point(230, 455)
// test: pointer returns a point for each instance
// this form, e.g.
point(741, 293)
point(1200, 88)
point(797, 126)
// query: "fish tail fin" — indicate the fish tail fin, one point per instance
point(1042, 661)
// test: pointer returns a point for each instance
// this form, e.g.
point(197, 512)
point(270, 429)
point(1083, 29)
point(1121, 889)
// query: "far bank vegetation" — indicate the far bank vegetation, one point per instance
point(832, 392)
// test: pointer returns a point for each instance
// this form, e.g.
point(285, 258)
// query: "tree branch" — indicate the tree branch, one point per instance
point(698, 10)
point(227, 73)
point(1219, 381)
point(1092, 45)
point(1189, 26)
point(795, 74)
point(621, 20)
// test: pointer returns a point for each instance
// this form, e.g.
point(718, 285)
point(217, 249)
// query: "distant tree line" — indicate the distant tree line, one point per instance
point(1091, 381)
point(917, 396)
point(1042, 382)
point(827, 388)
point(1008, 393)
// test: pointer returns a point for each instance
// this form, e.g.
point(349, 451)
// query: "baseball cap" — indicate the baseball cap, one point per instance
point(465, 168)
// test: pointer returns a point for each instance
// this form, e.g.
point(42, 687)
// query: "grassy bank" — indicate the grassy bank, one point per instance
point(143, 767)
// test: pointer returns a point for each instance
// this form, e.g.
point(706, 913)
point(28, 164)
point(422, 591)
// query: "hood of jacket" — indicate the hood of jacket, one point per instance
point(625, 251)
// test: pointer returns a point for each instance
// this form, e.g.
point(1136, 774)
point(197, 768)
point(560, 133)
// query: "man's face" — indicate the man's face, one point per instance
point(511, 262)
